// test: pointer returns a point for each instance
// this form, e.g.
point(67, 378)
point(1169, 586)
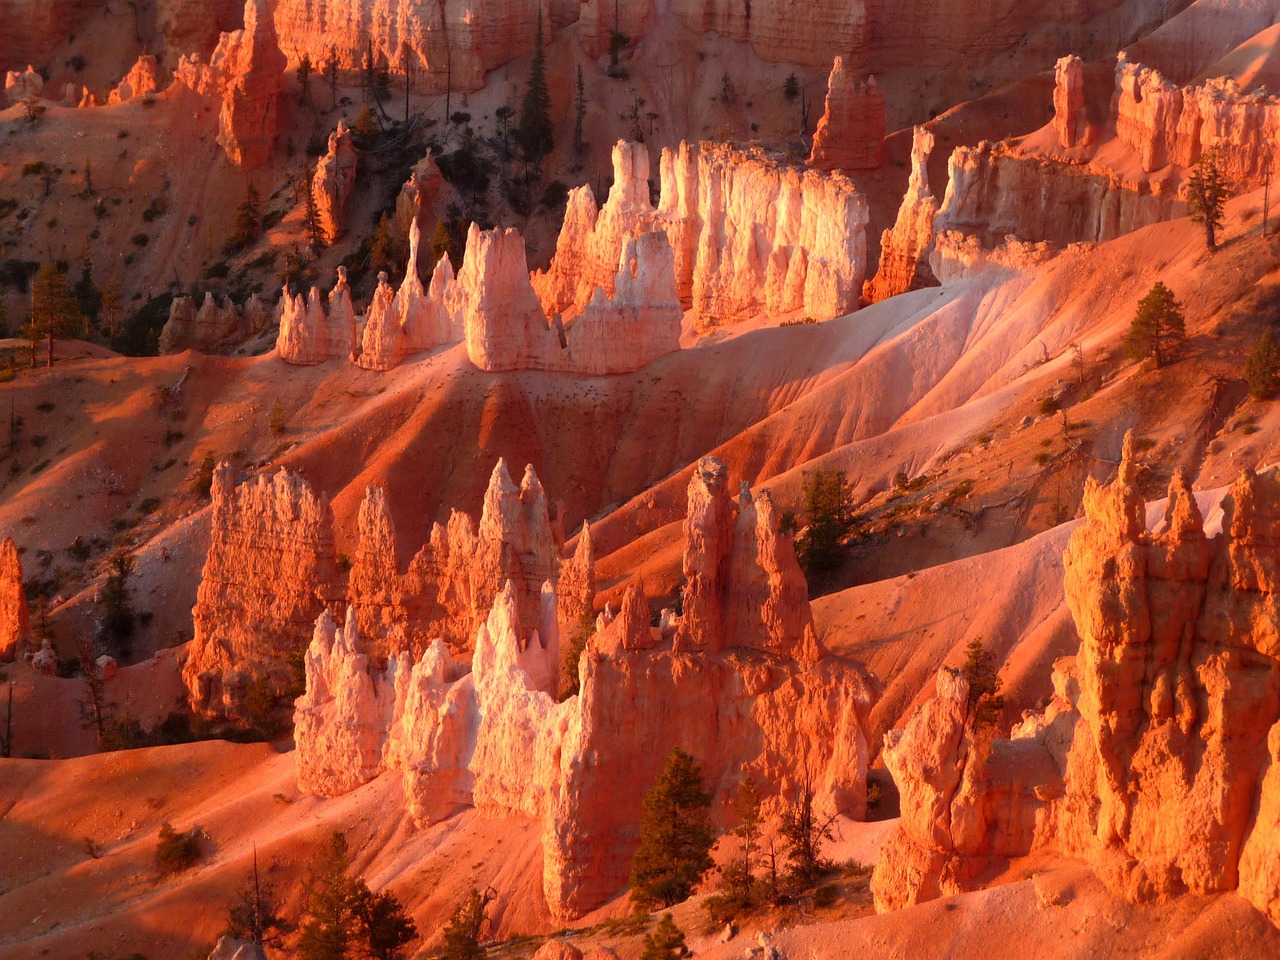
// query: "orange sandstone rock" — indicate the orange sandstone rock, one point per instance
point(15, 617)
point(331, 184)
point(904, 247)
point(215, 327)
point(850, 132)
point(142, 80)
point(271, 570)
point(250, 70)
point(1069, 119)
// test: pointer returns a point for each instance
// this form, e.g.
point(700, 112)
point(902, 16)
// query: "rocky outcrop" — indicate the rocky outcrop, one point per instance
point(763, 699)
point(1158, 774)
point(1070, 121)
point(450, 584)
point(590, 241)
point(15, 617)
point(506, 328)
point(215, 327)
point(21, 84)
point(1164, 123)
point(310, 335)
point(340, 722)
point(444, 39)
point(142, 80)
point(752, 235)
point(995, 191)
point(331, 184)
point(779, 31)
point(850, 132)
point(270, 571)
point(905, 246)
point(416, 196)
point(249, 68)
point(598, 19)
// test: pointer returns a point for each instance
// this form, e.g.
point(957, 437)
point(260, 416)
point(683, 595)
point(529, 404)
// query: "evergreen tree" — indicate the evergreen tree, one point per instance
point(534, 133)
point(118, 618)
point(255, 916)
point(579, 114)
point(1206, 196)
point(315, 232)
point(330, 923)
point(380, 246)
point(462, 932)
point(54, 309)
point(441, 243)
point(87, 296)
point(1158, 326)
point(984, 703)
point(387, 928)
point(805, 833)
point(111, 300)
point(1260, 369)
point(828, 510)
point(304, 78)
point(666, 942)
point(739, 874)
point(675, 835)
point(248, 223)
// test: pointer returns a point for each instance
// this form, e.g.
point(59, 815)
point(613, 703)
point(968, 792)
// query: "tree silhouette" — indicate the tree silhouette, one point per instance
point(535, 134)
point(675, 835)
point(1158, 326)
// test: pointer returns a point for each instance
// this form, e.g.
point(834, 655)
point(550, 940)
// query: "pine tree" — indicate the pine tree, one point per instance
point(248, 222)
point(87, 296)
point(805, 832)
point(387, 928)
point(462, 932)
point(380, 246)
point(1260, 369)
point(111, 301)
point(255, 916)
point(828, 509)
point(739, 874)
point(441, 242)
point(675, 835)
point(54, 309)
point(1158, 326)
point(1206, 196)
point(535, 134)
point(330, 919)
point(579, 114)
point(315, 232)
point(666, 942)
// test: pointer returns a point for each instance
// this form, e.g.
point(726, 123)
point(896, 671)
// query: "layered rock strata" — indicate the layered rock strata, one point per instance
point(495, 738)
point(15, 616)
point(904, 247)
point(270, 571)
point(332, 181)
point(213, 328)
point(1159, 775)
point(850, 132)
point(751, 235)
point(1164, 123)
point(995, 191)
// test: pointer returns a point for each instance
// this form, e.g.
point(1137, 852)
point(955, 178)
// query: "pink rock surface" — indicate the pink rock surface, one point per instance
point(1069, 119)
point(142, 80)
point(213, 328)
point(250, 70)
point(331, 184)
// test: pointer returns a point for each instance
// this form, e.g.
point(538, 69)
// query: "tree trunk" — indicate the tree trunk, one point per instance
point(51, 348)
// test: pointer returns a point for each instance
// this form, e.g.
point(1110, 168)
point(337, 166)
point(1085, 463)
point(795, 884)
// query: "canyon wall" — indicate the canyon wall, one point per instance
point(743, 661)
point(850, 132)
point(780, 31)
point(15, 617)
point(457, 40)
point(996, 191)
point(752, 235)
point(1150, 762)
point(270, 571)
point(1164, 123)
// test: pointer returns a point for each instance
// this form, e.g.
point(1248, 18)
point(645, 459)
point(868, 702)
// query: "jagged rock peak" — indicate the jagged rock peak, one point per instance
point(904, 248)
point(850, 132)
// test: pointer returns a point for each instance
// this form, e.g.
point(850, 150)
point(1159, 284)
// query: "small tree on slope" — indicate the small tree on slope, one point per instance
point(1158, 326)
point(1206, 196)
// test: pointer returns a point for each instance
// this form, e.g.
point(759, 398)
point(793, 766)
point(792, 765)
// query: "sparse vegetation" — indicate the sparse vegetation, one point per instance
point(827, 503)
point(984, 704)
point(675, 835)
point(1207, 196)
point(462, 932)
point(666, 942)
point(1261, 367)
point(176, 852)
